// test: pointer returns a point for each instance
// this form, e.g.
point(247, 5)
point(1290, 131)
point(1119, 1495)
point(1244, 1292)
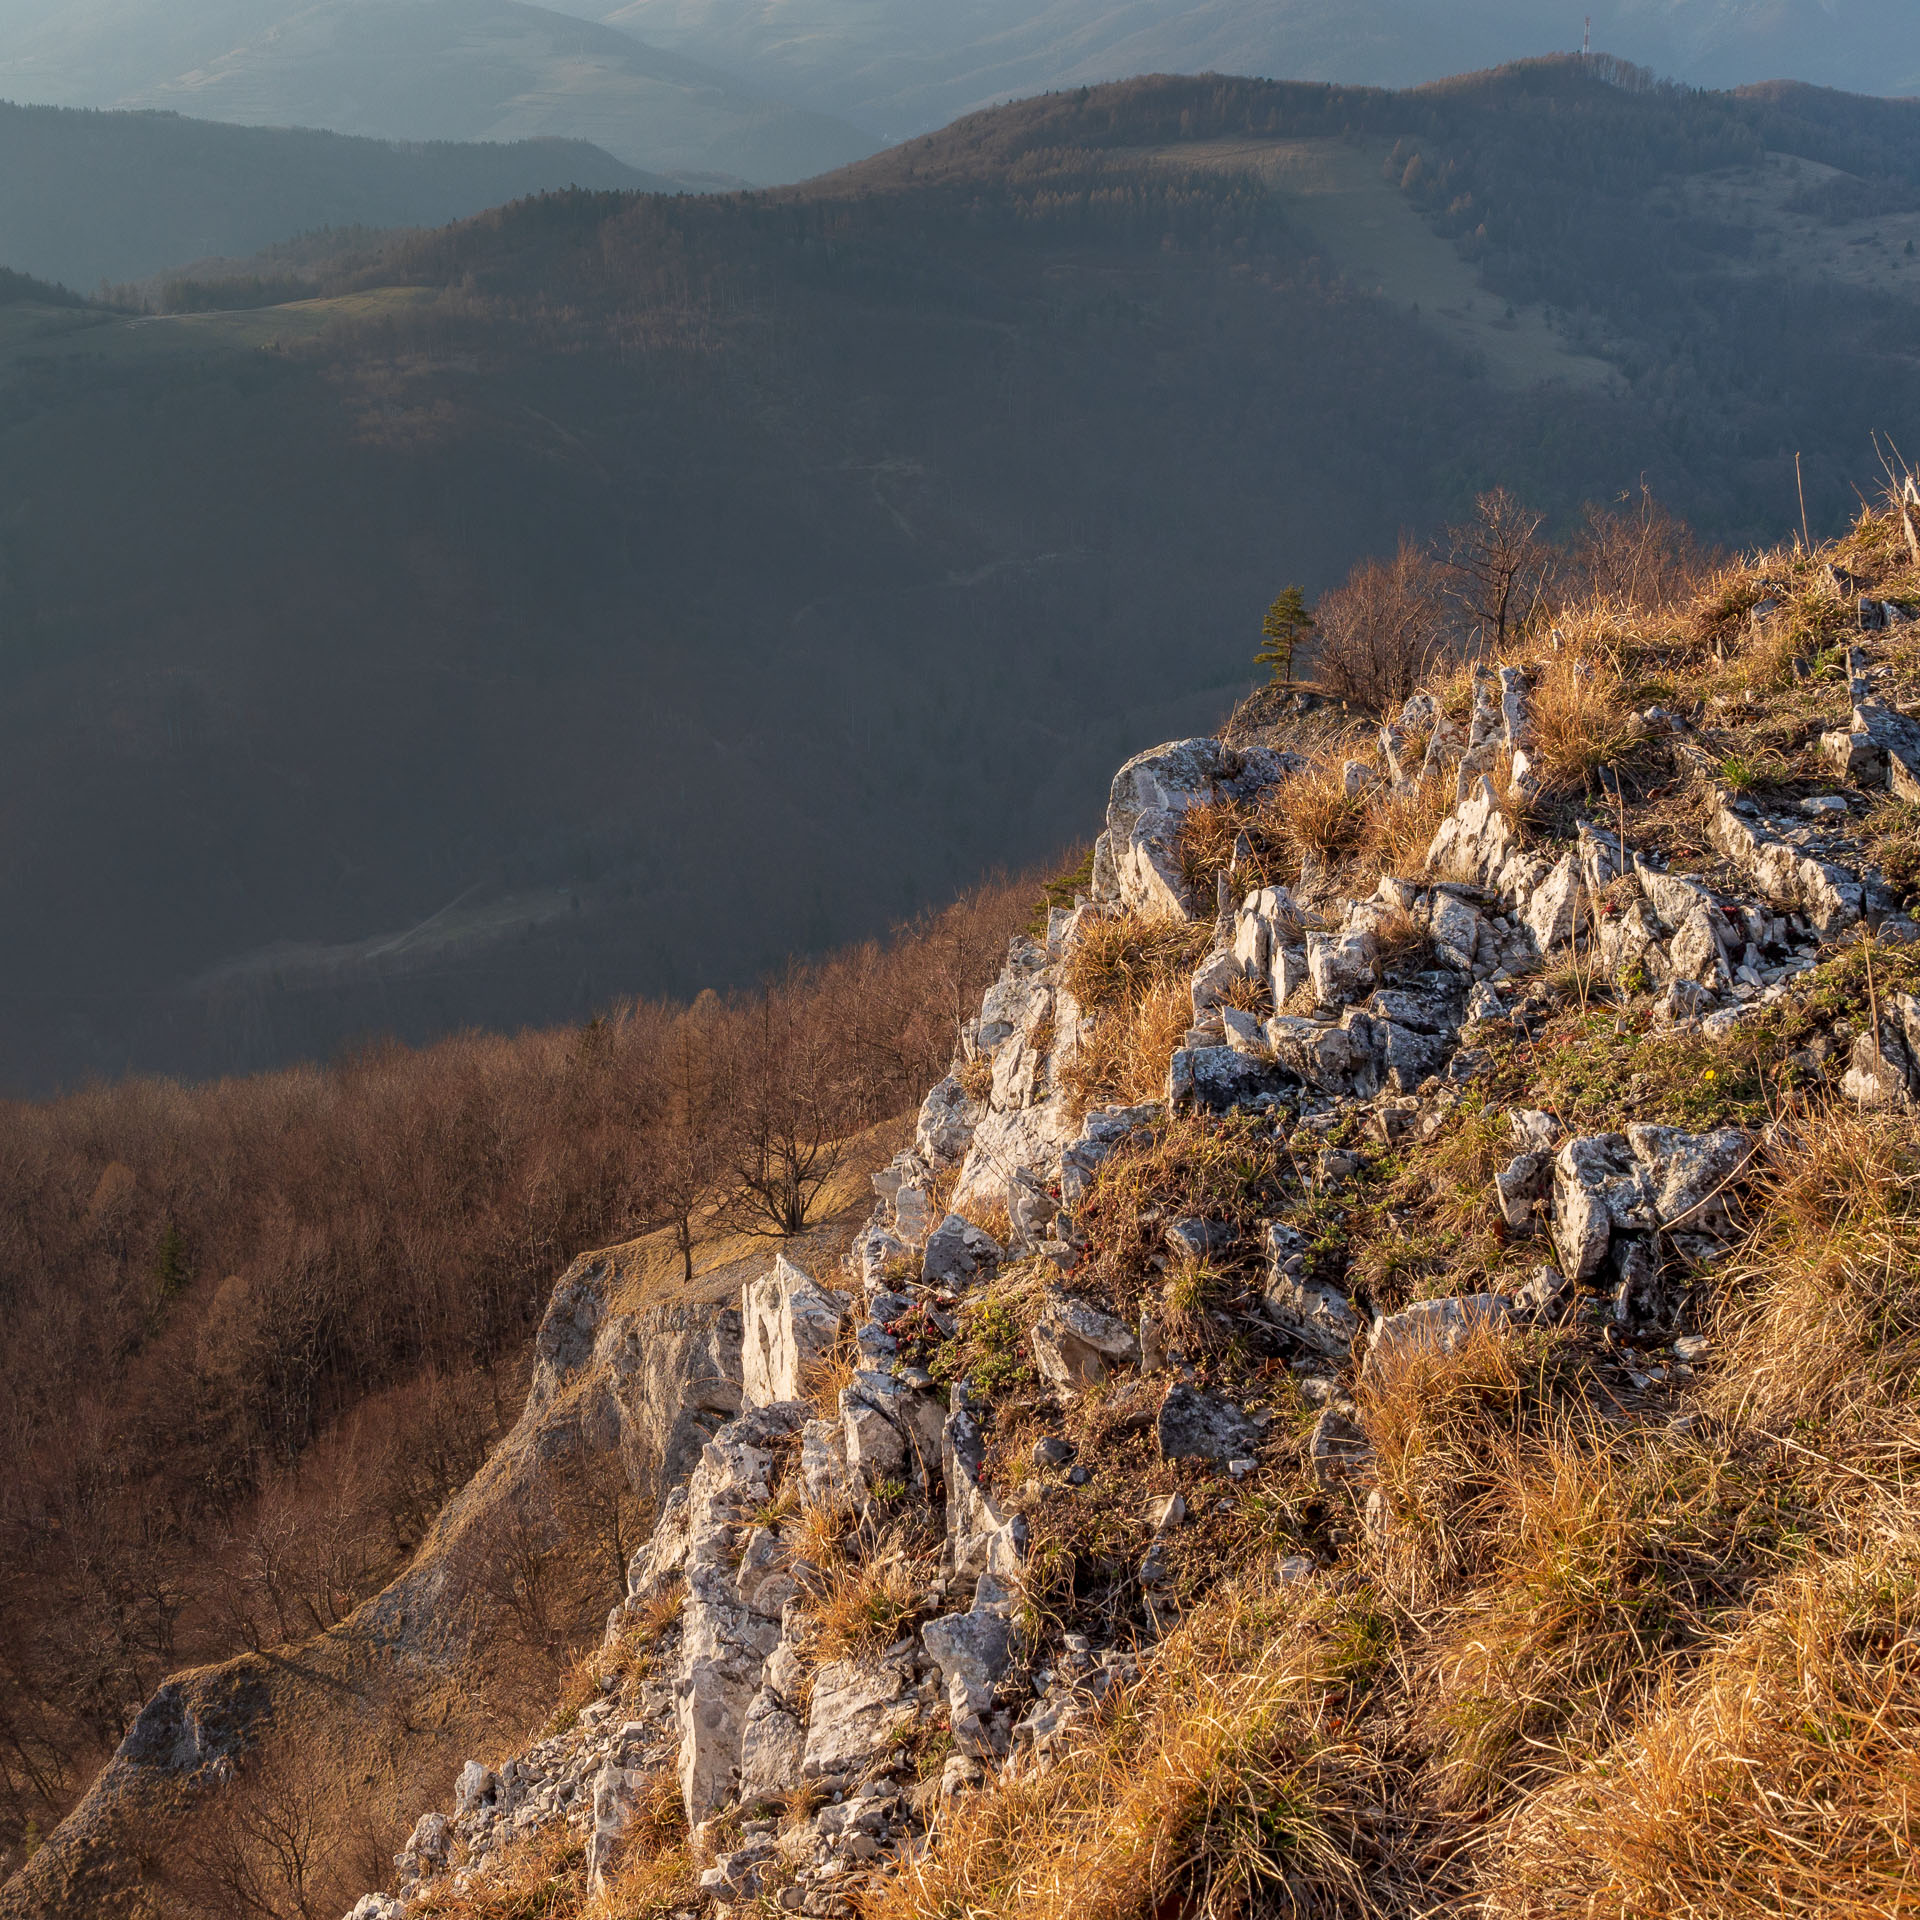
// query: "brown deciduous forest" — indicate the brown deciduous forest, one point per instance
point(258, 1330)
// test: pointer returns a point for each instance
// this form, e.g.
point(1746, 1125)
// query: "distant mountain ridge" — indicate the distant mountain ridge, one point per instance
point(904, 68)
point(503, 70)
point(87, 197)
point(777, 92)
point(465, 70)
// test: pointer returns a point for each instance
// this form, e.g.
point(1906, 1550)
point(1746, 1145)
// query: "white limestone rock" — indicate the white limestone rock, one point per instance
point(1314, 1313)
point(1441, 1326)
point(943, 1130)
point(855, 1707)
point(1075, 1346)
point(790, 1324)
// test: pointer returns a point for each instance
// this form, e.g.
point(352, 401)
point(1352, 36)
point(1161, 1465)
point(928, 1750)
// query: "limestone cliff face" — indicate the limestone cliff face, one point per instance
point(633, 1375)
point(1382, 1013)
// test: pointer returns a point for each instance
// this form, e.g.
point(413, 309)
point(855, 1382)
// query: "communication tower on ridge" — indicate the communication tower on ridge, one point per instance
point(1586, 45)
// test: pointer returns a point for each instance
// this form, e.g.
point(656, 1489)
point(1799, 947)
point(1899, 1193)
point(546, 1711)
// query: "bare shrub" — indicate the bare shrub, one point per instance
point(1631, 552)
point(277, 1845)
point(1381, 634)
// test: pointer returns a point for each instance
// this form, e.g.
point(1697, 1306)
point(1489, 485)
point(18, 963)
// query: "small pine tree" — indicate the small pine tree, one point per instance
point(170, 1269)
point(1285, 630)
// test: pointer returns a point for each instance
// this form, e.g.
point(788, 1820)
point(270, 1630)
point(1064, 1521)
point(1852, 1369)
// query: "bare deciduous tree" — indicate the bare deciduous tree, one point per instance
point(1500, 567)
point(1381, 632)
point(785, 1124)
point(689, 1134)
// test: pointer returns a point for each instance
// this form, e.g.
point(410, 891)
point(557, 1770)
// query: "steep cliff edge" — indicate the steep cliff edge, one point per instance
point(1348, 1390)
point(633, 1374)
point(1381, 1381)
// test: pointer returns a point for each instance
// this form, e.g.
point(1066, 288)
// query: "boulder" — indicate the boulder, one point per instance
point(1006, 1145)
point(1342, 1059)
point(1526, 1179)
point(1475, 841)
point(1075, 1346)
point(855, 1707)
point(1456, 930)
point(738, 1876)
point(1008, 1004)
point(1341, 965)
point(1613, 1191)
point(1136, 863)
point(980, 1539)
point(1216, 977)
point(617, 1793)
point(1288, 973)
point(476, 1787)
point(1431, 1009)
point(1597, 1187)
point(1830, 897)
point(764, 1582)
point(773, 1745)
point(823, 1464)
point(1552, 911)
point(973, 1649)
point(1198, 1426)
point(1222, 1079)
point(879, 1440)
point(959, 1254)
point(1267, 920)
point(1313, 1312)
point(1440, 1326)
point(1880, 1070)
point(944, 1129)
point(425, 1850)
point(1689, 1174)
point(1515, 707)
point(723, 1642)
point(790, 1324)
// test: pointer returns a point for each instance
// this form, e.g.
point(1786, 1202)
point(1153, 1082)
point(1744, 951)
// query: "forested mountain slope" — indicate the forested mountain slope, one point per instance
point(617, 593)
point(87, 197)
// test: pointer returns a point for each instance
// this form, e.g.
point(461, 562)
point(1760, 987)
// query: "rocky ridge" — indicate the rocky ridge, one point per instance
point(1330, 1028)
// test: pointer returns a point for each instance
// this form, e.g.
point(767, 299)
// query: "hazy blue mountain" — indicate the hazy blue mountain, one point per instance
point(416, 70)
point(86, 197)
point(903, 66)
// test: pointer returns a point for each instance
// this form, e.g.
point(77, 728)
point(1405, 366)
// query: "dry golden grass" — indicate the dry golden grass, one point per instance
point(1223, 1786)
point(1130, 978)
point(1820, 1321)
point(1400, 825)
point(861, 1593)
point(1784, 1780)
point(1217, 834)
point(543, 1877)
point(1606, 1564)
point(823, 1380)
point(658, 1872)
point(1582, 723)
point(976, 1078)
point(1319, 820)
point(1436, 1420)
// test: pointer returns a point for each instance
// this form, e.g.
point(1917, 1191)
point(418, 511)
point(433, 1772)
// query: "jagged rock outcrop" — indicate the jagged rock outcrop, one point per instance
point(1371, 1037)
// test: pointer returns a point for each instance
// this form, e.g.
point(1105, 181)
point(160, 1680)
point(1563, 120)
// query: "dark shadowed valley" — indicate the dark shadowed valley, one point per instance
point(619, 593)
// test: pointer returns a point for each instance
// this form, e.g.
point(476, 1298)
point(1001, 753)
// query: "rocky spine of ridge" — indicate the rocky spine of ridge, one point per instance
point(1375, 1036)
